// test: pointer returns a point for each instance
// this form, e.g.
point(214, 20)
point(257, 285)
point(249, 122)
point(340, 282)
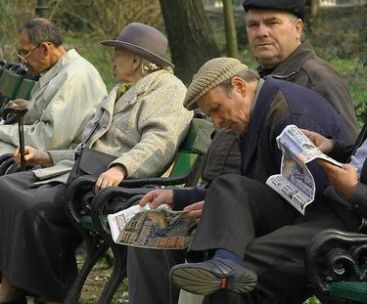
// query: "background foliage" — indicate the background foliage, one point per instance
point(338, 35)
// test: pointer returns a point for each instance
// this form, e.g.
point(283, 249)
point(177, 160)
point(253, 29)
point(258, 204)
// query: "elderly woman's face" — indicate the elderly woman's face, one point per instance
point(124, 66)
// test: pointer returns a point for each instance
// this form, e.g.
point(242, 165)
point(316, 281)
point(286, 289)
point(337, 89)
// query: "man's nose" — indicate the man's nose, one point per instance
point(217, 121)
point(262, 30)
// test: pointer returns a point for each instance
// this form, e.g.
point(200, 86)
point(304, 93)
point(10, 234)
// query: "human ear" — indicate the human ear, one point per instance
point(46, 48)
point(136, 61)
point(298, 25)
point(239, 85)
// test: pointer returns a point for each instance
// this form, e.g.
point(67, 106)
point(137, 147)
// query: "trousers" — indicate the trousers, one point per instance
point(250, 219)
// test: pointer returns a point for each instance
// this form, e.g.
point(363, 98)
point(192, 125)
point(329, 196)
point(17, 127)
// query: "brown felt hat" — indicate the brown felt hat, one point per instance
point(142, 40)
point(210, 75)
point(297, 7)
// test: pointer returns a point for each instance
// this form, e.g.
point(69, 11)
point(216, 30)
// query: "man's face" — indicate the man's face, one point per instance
point(35, 57)
point(123, 65)
point(272, 35)
point(229, 111)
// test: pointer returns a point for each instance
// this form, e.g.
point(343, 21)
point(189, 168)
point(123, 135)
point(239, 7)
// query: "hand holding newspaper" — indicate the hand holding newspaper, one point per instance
point(295, 182)
point(160, 228)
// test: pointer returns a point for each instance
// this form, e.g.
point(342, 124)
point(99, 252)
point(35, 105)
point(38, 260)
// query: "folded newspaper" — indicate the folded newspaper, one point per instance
point(295, 182)
point(160, 228)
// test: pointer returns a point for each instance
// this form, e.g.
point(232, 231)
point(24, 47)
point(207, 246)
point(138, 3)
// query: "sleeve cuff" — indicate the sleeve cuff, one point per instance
point(185, 197)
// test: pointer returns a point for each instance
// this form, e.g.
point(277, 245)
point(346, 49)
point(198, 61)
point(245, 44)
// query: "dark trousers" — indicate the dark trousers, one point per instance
point(251, 220)
point(147, 272)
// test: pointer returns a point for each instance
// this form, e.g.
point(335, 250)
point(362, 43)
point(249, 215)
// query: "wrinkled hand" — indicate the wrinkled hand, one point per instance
point(157, 197)
point(324, 144)
point(194, 210)
point(344, 179)
point(112, 177)
point(34, 157)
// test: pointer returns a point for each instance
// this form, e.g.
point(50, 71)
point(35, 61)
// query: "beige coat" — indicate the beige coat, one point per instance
point(63, 101)
point(142, 129)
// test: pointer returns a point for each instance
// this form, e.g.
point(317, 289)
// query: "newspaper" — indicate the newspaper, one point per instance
point(295, 182)
point(160, 228)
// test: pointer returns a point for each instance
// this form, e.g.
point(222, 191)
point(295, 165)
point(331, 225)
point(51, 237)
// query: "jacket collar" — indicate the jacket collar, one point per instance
point(292, 64)
point(263, 101)
point(65, 60)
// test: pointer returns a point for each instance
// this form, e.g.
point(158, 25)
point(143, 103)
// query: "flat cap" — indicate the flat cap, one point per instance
point(210, 75)
point(297, 7)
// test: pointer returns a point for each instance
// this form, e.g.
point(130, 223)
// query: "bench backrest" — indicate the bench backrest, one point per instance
point(13, 85)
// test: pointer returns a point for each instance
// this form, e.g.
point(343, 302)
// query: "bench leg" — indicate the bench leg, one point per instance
point(118, 273)
point(95, 248)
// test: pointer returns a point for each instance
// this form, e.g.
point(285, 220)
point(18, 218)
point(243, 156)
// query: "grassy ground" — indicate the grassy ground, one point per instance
point(96, 281)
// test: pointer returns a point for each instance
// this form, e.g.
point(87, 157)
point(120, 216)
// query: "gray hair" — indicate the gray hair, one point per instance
point(41, 30)
point(247, 75)
point(148, 67)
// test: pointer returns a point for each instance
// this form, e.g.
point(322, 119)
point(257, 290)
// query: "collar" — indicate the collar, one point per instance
point(63, 61)
point(292, 64)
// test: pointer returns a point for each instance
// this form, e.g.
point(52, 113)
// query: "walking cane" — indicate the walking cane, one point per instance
point(18, 113)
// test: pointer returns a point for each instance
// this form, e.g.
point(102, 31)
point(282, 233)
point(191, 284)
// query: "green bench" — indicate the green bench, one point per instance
point(13, 85)
point(88, 210)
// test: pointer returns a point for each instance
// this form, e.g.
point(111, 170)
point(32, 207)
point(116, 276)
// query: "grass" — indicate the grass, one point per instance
point(96, 280)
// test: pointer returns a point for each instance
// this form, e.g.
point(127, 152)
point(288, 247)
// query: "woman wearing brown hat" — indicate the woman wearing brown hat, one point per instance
point(140, 123)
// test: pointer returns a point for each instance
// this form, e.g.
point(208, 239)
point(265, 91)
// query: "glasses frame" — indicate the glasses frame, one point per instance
point(24, 57)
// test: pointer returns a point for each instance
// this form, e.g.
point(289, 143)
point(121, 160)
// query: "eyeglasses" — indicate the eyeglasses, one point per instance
point(23, 54)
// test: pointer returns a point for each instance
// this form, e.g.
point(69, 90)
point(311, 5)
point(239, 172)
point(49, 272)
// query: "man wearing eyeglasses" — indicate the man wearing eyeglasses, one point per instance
point(65, 97)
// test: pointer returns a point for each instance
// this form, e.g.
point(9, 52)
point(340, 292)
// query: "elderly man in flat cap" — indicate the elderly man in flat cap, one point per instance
point(247, 234)
point(274, 32)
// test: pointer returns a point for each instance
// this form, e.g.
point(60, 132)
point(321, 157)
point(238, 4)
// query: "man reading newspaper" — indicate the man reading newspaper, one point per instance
point(248, 236)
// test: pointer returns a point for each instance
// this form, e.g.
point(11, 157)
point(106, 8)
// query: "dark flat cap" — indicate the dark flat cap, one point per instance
point(297, 7)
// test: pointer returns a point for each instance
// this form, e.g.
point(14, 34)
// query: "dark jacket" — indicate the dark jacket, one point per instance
point(278, 104)
point(357, 203)
point(304, 68)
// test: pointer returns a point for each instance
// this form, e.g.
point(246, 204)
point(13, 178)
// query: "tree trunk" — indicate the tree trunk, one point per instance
point(231, 38)
point(314, 8)
point(190, 36)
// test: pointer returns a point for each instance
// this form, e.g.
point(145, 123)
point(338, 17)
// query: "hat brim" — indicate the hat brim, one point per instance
point(138, 51)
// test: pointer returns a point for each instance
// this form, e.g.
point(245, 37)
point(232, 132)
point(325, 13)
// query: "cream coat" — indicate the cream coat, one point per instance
point(142, 129)
point(63, 101)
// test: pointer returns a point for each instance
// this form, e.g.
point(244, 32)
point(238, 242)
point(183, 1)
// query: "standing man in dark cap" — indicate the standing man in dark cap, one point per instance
point(274, 33)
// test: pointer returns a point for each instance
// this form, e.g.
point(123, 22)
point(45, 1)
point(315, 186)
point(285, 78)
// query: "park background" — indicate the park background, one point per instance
point(196, 31)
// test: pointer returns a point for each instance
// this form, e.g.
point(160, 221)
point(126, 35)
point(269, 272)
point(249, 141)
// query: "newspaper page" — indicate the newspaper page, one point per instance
point(160, 228)
point(295, 182)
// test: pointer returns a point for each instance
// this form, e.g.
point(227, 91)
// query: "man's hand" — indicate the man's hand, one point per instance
point(344, 179)
point(324, 144)
point(34, 157)
point(194, 210)
point(157, 197)
point(112, 177)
